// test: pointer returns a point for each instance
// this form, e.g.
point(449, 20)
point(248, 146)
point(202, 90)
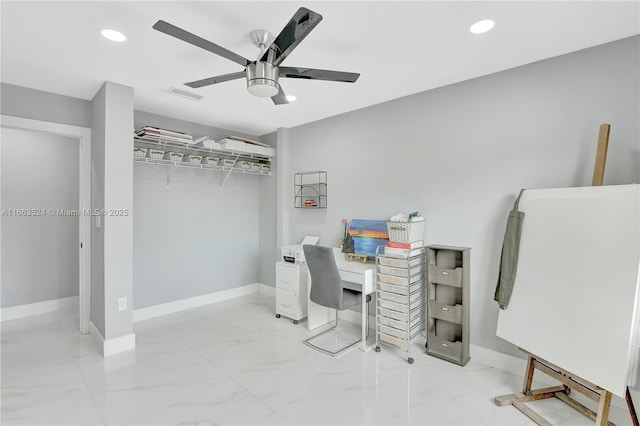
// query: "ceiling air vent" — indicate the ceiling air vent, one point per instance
point(185, 94)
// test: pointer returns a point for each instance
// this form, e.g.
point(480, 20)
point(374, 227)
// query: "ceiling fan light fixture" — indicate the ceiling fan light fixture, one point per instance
point(482, 26)
point(263, 88)
point(113, 35)
point(262, 79)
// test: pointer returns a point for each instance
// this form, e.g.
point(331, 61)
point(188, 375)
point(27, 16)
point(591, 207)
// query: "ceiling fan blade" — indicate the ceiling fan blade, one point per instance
point(280, 98)
point(316, 74)
point(217, 79)
point(190, 38)
point(300, 25)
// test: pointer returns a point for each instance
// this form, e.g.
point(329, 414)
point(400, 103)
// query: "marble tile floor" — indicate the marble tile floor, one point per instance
point(235, 363)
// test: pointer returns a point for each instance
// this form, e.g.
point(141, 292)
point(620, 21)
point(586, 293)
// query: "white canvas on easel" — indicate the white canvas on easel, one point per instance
point(575, 299)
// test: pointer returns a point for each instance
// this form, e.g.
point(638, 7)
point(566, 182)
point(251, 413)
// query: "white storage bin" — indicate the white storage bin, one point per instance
point(255, 166)
point(406, 232)
point(139, 152)
point(228, 163)
point(193, 159)
point(156, 154)
point(173, 156)
point(266, 167)
point(244, 164)
point(210, 161)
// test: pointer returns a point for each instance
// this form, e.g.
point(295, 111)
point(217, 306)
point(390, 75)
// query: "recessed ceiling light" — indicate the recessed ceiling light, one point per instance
point(482, 26)
point(113, 35)
point(291, 98)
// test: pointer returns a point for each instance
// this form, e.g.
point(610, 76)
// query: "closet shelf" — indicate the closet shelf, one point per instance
point(197, 149)
point(187, 165)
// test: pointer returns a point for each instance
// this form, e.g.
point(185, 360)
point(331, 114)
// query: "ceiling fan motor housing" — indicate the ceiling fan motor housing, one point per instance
point(262, 79)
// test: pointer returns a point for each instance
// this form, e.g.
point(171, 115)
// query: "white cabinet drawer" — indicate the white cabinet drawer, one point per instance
point(351, 277)
point(287, 277)
point(287, 303)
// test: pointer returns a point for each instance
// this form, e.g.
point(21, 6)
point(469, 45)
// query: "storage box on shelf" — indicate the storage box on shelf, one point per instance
point(400, 297)
point(193, 159)
point(406, 232)
point(139, 152)
point(310, 190)
point(448, 303)
point(173, 156)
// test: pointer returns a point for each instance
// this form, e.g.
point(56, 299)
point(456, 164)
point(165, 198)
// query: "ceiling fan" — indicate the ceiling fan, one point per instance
point(263, 74)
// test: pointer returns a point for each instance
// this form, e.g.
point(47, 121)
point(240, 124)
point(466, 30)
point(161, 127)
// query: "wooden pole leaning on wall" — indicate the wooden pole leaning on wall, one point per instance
point(601, 155)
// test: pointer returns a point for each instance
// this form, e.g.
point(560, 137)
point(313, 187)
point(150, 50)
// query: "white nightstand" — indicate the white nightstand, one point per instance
point(291, 290)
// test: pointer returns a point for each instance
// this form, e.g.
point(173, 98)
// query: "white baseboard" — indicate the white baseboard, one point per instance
point(266, 290)
point(501, 361)
point(119, 344)
point(97, 336)
point(22, 311)
point(112, 346)
point(193, 302)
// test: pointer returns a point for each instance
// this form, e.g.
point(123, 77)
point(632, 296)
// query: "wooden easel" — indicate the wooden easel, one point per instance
point(362, 257)
point(569, 381)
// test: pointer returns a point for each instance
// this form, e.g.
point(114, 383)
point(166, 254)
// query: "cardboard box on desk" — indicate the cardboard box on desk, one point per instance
point(239, 146)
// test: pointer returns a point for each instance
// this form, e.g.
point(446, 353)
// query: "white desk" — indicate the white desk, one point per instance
point(357, 276)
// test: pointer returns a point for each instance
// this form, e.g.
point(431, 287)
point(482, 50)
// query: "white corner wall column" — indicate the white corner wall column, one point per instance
point(83, 135)
point(112, 263)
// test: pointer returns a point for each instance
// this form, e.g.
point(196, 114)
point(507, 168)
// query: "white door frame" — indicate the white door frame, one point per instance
point(83, 135)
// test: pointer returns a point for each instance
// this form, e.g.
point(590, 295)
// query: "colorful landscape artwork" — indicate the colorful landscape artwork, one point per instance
point(368, 235)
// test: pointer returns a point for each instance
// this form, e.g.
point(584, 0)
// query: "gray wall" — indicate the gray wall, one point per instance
point(192, 238)
point(459, 154)
point(39, 253)
point(269, 251)
point(23, 102)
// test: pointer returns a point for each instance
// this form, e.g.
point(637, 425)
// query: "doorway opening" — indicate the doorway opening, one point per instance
point(75, 213)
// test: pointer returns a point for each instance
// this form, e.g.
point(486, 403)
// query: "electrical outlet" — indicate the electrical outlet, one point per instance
point(122, 303)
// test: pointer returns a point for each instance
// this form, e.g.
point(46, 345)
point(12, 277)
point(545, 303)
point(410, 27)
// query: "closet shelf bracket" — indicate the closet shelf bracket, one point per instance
point(228, 173)
point(171, 172)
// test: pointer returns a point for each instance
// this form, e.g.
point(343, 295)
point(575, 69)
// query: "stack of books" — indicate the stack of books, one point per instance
point(403, 249)
point(159, 134)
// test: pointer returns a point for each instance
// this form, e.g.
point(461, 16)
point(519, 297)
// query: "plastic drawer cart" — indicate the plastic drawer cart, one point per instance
point(400, 298)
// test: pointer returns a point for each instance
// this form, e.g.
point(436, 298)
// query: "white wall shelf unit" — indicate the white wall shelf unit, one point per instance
point(229, 161)
point(310, 190)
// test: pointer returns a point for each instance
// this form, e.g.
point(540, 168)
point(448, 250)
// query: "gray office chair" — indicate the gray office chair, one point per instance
point(327, 290)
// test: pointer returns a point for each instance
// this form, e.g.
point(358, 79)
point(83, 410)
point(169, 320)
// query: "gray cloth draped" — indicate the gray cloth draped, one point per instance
point(509, 256)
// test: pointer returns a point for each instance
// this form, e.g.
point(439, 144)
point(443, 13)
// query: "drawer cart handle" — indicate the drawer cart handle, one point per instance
point(285, 282)
point(445, 345)
point(445, 273)
point(444, 308)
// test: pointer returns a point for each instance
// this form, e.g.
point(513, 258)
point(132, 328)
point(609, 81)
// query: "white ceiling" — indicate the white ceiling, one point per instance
point(400, 48)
